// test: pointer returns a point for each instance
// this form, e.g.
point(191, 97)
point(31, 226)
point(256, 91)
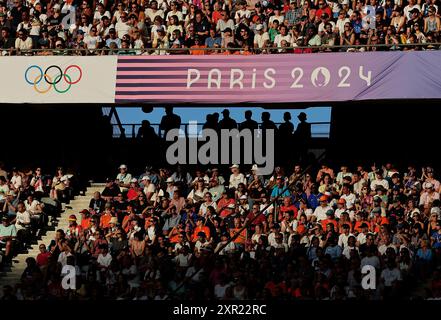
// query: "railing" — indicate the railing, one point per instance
point(266, 50)
point(130, 130)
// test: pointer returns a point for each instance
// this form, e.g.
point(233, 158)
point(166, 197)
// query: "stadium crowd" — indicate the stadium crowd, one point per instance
point(215, 27)
point(165, 233)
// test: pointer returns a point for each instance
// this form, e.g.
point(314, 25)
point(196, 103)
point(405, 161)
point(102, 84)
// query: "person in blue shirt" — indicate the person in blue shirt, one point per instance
point(436, 236)
point(313, 199)
point(213, 39)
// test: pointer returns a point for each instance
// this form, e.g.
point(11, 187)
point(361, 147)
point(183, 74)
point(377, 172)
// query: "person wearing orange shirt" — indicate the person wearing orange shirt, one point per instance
point(85, 219)
point(105, 219)
point(126, 223)
point(223, 205)
point(330, 219)
point(197, 46)
point(200, 227)
point(378, 220)
point(242, 237)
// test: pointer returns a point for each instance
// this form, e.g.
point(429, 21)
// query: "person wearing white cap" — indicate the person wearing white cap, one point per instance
point(244, 206)
point(261, 38)
point(171, 188)
point(236, 177)
point(123, 178)
point(428, 196)
point(149, 187)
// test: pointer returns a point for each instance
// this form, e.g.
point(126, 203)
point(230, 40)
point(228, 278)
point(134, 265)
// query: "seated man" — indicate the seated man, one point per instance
point(8, 233)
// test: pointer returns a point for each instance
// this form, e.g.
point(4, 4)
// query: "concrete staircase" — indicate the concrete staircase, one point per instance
point(18, 265)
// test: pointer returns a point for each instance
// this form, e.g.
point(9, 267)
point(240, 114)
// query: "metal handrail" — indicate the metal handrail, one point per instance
point(131, 133)
point(267, 50)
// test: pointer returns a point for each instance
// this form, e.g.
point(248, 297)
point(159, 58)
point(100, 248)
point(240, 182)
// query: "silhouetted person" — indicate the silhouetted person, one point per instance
point(285, 138)
point(227, 122)
point(267, 123)
point(210, 122)
point(249, 123)
point(169, 121)
point(303, 135)
point(146, 133)
point(286, 129)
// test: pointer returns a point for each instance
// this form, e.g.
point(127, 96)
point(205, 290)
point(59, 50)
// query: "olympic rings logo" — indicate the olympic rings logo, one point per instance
point(51, 80)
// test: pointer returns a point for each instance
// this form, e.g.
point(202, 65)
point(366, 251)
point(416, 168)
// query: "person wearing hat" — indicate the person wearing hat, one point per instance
point(330, 219)
point(379, 219)
point(123, 178)
point(74, 229)
point(280, 190)
point(236, 177)
point(8, 233)
point(322, 209)
point(428, 175)
point(261, 38)
point(227, 122)
point(428, 196)
point(229, 248)
point(302, 135)
point(341, 207)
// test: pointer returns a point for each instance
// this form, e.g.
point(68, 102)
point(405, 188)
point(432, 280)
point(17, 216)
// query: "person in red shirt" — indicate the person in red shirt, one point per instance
point(255, 211)
point(105, 219)
point(85, 219)
point(200, 227)
point(323, 8)
point(330, 219)
point(287, 206)
point(133, 191)
point(43, 256)
point(223, 203)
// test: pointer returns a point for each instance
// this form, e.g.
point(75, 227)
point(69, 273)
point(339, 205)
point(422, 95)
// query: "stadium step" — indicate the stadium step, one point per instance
point(13, 275)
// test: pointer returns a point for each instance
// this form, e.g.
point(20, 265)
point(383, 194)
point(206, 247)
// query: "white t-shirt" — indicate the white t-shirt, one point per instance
point(16, 181)
point(92, 42)
point(259, 39)
point(104, 260)
point(236, 179)
point(389, 276)
point(242, 13)
point(320, 212)
point(149, 13)
point(122, 29)
point(98, 15)
point(370, 261)
point(22, 217)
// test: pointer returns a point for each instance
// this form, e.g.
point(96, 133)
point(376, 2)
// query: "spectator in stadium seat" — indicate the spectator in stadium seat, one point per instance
point(8, 233)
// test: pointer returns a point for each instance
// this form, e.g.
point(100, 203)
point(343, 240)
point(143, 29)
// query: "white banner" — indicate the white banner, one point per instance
point(58, 79)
